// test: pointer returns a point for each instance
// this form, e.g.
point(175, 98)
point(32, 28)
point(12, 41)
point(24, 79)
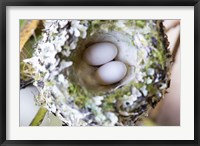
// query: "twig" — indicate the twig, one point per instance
point(24, 84)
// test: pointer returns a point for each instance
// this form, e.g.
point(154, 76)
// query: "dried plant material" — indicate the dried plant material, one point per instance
point(27, 31)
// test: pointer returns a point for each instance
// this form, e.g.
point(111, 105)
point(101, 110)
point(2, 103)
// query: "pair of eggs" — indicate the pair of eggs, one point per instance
point(102, 54)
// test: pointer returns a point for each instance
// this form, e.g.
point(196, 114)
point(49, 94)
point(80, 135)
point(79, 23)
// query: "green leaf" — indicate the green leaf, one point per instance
point(39, 117)
point(22, 22)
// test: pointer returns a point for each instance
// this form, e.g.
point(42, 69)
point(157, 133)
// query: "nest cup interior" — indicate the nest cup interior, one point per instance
point(82, 74)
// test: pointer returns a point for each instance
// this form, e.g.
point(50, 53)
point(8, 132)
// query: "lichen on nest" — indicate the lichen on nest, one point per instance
point(66, 87)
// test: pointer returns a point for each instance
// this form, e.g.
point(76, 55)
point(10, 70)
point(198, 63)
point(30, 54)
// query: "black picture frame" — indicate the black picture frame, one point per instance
point(5, 3)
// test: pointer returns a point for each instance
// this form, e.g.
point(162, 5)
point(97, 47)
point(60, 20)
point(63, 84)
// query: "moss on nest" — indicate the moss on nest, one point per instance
point(65, 89)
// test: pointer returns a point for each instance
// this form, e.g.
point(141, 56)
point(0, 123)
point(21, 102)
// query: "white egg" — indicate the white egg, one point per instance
point(111, 73)
point(100, 53)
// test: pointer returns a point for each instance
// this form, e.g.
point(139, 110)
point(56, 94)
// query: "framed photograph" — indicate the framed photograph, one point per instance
point(99, 72)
